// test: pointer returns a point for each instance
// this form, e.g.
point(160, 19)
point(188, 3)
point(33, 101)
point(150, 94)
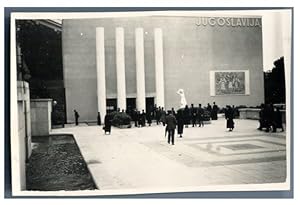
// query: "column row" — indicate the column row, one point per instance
point(120, 69)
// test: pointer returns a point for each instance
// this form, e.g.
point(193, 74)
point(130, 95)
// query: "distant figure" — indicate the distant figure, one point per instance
point(158, 115)
point(98, 119)
point(262, 120)
point(149, 117)
point(214, 112)
point(180, 122)
point(272, 118)
point(139, 114)
point(135, 117)
point(107, 123)
point(229, 118)
point(173, 111)
point(163, 116)
point(209, 109)
point(171, 125)
point(186, 116)
point(200, 116)
point(261, 117)
point(278, 120)
point(143, 118)
point(193, 115)
point(268, 115)
point(183, 102)
point(76, 115)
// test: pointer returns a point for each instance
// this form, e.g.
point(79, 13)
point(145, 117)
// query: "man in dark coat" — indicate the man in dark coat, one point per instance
point(139, 114)
point(163, 116)
point(135, 117)
point(158, 115)
point(173, 111)
point(214, 112)
point(193, 115)
point(262, 120)
point(149, 117)
point(269, 113)
point(209, 109)
point(186, 116)
point(76, 115)
point(143, 115)
point(200, 116)
point(171, 125)
point(229, 118)
point(180, 122)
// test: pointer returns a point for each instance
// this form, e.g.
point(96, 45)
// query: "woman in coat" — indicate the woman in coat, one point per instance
point(229, 118)
point(180, 122)
point(107, 123)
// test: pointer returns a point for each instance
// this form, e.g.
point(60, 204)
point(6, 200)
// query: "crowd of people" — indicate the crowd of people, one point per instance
point(269, 118)
point(189, 115)
point(180, 119)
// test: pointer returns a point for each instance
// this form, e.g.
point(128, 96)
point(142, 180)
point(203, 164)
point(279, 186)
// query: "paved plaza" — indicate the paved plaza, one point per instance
point(141, 157)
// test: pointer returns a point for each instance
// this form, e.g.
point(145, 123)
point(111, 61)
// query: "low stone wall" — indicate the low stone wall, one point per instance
point(41, 116)
point(253, 113)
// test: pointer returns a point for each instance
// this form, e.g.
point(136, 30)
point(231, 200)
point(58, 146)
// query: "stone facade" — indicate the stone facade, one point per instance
point(190, 52)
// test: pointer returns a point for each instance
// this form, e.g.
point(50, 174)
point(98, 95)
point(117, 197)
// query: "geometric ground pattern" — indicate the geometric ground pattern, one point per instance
point(224, 151)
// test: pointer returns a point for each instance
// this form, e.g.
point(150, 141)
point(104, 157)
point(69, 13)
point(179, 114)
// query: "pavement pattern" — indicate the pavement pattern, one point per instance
point(141, 157)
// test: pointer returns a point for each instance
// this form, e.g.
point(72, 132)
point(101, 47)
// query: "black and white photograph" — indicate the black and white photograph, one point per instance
point(110, 103)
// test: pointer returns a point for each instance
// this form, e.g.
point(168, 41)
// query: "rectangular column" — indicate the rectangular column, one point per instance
point(159, 67)
point(101, 87)
point(140, 69)
point(120, 64)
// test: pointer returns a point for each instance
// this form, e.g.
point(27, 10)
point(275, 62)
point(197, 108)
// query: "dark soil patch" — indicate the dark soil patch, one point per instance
point(56, 164)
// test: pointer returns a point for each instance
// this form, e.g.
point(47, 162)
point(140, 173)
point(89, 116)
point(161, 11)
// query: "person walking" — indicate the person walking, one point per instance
point(229, 118)
point(180, 122)
point(171, 125)
point(76, 115)
point(107, 124)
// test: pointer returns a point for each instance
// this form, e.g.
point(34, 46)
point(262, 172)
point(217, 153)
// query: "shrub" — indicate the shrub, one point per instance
point(120, 118)
point(206, 116)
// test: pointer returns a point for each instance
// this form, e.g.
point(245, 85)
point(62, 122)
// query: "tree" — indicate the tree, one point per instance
point(275, 83)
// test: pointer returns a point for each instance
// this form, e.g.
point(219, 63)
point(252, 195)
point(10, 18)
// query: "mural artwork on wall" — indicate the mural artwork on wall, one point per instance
point(229, 82)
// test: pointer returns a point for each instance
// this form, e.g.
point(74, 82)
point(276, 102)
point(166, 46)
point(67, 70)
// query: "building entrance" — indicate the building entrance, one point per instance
point(130, 104)
point(149, 104)
point(111, 105)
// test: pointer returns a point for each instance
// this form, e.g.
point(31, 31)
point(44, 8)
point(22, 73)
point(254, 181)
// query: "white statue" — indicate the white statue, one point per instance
point(183, 102)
